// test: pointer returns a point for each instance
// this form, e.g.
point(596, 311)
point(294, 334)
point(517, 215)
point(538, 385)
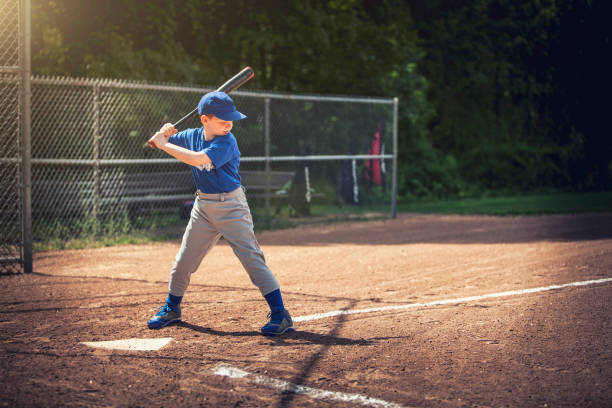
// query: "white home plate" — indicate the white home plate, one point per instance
point(130, 344)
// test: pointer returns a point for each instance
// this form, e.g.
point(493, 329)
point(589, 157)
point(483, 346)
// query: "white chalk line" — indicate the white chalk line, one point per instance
point(318, 316)
point(287, 387)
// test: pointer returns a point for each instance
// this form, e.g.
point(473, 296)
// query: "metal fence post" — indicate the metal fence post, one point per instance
point(267, 156)
point(394, 174)
point(96, 149)
point(26, 141)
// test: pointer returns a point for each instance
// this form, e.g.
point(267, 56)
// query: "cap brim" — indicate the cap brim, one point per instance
point(235, 115)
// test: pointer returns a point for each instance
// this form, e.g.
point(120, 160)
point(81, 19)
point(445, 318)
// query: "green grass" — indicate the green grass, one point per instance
point(85, 232)
point(535, 204)
point(136, 237)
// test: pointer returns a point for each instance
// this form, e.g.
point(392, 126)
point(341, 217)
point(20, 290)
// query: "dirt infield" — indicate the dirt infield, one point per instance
point(549, 347)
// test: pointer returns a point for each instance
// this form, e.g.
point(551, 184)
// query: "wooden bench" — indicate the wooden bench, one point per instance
point(262, 184)
point(146, 187)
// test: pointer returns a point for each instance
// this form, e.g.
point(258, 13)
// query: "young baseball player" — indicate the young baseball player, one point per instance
point(220, 209)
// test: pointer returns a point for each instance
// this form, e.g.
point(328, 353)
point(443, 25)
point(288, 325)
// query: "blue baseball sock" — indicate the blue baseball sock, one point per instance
point(174, 301)
point(275, 301)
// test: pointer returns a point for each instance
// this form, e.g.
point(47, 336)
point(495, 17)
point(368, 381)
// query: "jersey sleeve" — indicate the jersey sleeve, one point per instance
point(181, 138)
point(221, 150)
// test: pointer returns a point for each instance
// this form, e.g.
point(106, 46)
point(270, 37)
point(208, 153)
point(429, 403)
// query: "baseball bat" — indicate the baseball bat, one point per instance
point(230, 85)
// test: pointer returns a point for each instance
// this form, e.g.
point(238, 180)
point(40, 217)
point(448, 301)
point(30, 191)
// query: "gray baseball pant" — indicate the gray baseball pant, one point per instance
point(213, 216)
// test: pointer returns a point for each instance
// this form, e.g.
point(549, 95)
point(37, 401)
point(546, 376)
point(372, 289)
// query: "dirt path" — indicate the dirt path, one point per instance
point(550, 347)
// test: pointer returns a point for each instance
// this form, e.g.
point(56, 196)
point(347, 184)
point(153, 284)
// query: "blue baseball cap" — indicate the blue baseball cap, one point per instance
point(220, 105)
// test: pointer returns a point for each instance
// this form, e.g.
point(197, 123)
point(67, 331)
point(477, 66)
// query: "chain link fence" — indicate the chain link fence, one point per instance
point(303, 157)
point(74, 162)
point(11, 249)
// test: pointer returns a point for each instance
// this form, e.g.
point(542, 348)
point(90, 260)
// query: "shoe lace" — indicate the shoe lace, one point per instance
point(163, 309)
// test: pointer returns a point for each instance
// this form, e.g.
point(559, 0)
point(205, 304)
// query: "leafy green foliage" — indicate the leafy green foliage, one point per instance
point(508, 81)
point(494, 94)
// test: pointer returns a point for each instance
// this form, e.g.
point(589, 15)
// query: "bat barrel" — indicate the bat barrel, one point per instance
point(237, 80)
point(231, 85)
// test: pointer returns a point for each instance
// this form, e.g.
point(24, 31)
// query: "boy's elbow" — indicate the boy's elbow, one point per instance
point(203, 160)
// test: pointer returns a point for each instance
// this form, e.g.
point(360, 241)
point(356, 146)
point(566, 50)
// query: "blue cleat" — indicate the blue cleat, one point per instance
point(280, 322)
point(166, 315)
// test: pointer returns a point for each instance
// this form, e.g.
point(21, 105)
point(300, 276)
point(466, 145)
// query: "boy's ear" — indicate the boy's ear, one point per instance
point(203, 119)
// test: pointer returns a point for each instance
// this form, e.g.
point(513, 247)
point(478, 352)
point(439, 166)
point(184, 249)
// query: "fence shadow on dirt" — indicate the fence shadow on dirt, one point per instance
point(309, 366)
point(72, 280)
point(451, 229)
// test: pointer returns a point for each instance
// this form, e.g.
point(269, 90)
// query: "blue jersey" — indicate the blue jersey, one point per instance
point(224, 153)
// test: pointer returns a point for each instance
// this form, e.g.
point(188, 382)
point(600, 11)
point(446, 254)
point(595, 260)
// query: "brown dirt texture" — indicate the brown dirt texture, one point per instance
point(540, 348)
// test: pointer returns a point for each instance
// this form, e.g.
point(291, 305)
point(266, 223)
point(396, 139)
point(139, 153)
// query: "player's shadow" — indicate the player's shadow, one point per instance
point(287, 339)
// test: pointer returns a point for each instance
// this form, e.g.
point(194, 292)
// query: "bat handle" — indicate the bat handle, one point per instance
point(184, 118)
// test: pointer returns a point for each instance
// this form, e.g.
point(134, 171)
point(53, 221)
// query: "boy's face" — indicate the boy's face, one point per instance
point(215, 126)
